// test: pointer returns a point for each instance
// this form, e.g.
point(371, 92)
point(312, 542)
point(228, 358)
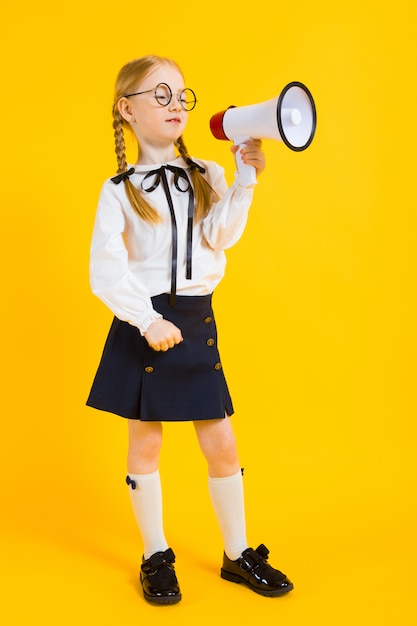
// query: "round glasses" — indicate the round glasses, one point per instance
point(163, 95)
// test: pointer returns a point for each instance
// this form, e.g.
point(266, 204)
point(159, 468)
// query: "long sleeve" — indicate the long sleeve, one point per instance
point(227, 219)
point(112, 278)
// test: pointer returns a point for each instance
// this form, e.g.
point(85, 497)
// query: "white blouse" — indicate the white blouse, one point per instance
point(131, 258)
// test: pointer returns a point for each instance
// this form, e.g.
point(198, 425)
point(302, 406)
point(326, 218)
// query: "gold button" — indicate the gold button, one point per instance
point(218, 366)
point(208, 320)
point(149, 369)
point(210, 342)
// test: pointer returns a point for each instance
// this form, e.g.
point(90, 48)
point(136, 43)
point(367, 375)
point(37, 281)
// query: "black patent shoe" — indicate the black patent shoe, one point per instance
point(253, 570)
point(159, 582)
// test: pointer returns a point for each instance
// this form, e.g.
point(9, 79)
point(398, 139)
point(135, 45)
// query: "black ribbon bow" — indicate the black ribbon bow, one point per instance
point(194, 166)
point(130, 482)
point(159, 176)
point(123, 176)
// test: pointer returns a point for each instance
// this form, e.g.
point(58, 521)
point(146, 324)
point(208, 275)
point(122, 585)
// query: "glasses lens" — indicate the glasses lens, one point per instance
point(163, 94)
point(187, 99)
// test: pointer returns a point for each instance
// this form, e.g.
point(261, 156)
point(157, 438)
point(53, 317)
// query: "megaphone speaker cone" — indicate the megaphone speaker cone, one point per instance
point(296, 116)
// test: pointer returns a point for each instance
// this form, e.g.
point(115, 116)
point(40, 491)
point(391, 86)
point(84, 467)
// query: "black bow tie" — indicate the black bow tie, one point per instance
point(182, 183)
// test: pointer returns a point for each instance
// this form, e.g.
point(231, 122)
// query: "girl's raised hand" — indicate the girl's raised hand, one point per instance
point(252, 154)
point(163, 335)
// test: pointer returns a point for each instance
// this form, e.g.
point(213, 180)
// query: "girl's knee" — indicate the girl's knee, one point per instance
point(218, 444)
point(145, 441)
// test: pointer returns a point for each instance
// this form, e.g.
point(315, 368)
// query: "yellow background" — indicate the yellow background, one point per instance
point(316, 316)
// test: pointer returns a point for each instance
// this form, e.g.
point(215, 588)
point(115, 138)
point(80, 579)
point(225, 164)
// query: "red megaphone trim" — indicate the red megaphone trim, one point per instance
point(216, 125)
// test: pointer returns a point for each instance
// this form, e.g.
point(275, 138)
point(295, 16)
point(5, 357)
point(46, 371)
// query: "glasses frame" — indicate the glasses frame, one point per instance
point(178, 96)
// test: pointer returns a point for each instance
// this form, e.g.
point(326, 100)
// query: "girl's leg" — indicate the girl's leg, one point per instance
point(218, 444)
point(145, 441)
point(240, 563)
point(157, 575)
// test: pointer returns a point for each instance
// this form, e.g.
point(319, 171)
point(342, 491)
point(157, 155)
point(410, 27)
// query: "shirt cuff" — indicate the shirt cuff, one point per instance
point(147, 320)
point(239, 184)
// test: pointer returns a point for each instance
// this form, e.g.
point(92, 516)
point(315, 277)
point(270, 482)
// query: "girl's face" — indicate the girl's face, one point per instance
point(156, 126)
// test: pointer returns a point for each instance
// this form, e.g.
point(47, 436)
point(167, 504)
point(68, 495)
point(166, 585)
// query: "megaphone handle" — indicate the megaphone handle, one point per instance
point(247, 173)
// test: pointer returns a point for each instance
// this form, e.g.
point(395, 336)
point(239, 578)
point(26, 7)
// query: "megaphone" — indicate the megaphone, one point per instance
point(291, 117)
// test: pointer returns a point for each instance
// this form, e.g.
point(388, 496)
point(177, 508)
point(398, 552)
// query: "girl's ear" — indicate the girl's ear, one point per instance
point(124, 109)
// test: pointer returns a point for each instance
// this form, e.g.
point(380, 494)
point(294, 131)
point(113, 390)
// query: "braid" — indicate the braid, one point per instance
point(182, 148)
point(139, 204)
point(119, 139)
point(205, 195)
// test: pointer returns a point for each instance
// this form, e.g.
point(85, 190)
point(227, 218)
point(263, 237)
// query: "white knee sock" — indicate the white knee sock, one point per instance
point(146, 500)
point(228, 502)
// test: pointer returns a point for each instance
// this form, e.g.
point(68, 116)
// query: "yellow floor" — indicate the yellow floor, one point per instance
point(85, 579)
point(78, 562)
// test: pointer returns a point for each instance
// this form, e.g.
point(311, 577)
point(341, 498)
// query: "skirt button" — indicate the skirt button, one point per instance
point(208, 320)
point(149, 369)
point(218, 366)
point(210, 342)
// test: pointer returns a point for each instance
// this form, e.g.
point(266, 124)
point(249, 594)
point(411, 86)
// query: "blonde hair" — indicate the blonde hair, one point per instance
point(128, 78)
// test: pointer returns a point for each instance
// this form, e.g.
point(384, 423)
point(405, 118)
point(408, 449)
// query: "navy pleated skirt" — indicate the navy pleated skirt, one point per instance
point(183, 384)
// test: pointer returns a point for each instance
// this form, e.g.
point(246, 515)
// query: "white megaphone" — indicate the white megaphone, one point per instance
point(290, 117)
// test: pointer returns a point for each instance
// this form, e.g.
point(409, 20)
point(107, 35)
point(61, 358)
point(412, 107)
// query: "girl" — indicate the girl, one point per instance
point(157, 254)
